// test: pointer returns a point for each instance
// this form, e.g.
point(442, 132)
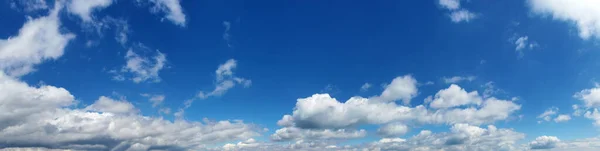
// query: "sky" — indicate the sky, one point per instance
point(124, 75)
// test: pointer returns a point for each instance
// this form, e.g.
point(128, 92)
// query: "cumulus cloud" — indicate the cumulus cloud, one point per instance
point(43, 117)
point(544, 142)
point(590, 97)
point(108, 105)
point(171, 8)
point(142, 68)
point(456, 13)
point(401, 88)
point(225, 80)
point(84, 8)
point(322, 112)
point(457, 79)
point(38, 40)
point(454, 96)
point(584, 14)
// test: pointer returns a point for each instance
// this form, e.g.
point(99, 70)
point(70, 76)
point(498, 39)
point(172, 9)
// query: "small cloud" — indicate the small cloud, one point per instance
point(523, 43)
point(562, 118)
point(457, 79)
point(365, 87)
point(456, 13)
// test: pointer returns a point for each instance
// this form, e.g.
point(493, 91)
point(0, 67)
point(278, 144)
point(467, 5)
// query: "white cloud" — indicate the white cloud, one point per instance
point(121, 29)
point(547, 115)
point(462, 15)
point(42, 117)
point(225, 80)
point(461, 137)
point(108, 105)
point(455, 96)
point(172, 10)
point(590, 97)
point(457, 79)
point(562, 118)
point(585, 14)
point(523, 43)
point(84, 8)
point(365, 87)
point(545, 142)
point(38, 40)
point(29, 5)
point(456, 13)
point(143, 68)
point(393, 129)
point(320, 111)
point(450, 4)
point(293, 133)
point(155, 99)
point(401, 88)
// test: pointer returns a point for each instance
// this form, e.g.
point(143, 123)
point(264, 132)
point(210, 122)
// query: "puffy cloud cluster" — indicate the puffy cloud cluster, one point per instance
point(545, 142)
point(454, 96)
point(321, 111)
point(38, 40)
point(585, 14)
point(43, 117)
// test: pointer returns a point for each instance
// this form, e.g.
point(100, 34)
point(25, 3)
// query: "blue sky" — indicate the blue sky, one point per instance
point(299, 75)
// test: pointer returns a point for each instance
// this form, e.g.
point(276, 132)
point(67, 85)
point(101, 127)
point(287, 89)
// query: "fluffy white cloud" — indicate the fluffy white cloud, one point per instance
point(43, 117)
point(457, 79)
point(585, 14)
point(321, 111)
point(454, 96)
point(84, 8)
point(590, 97)
point(105, 104)
point(143, 68)
point(225, 80)
point(365, 87)
point(38, 40)
point(562, 118)
point(457, 14)
point(172, 10)
point(402, 88)
point(545, 142)
point(293, 133)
